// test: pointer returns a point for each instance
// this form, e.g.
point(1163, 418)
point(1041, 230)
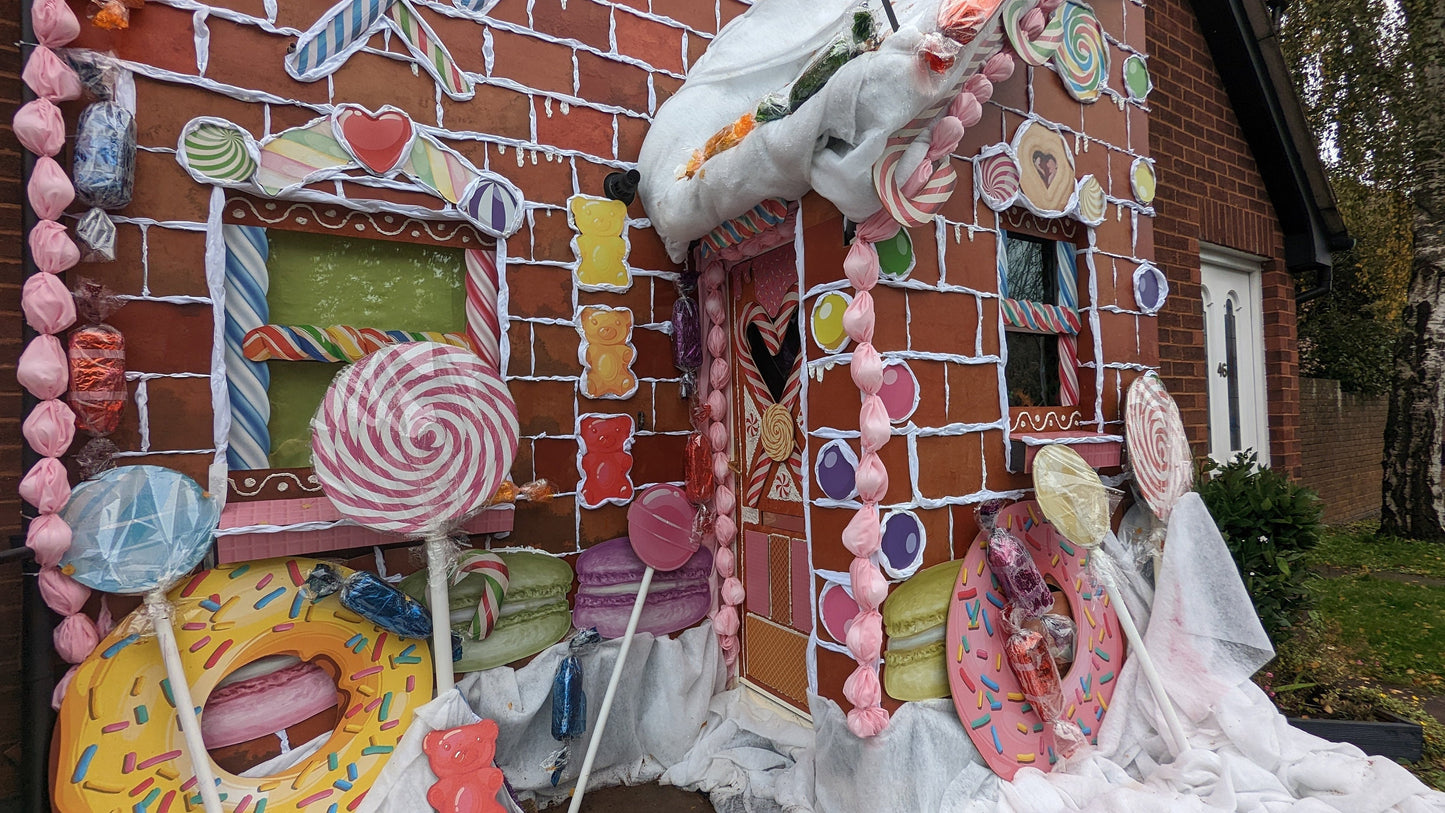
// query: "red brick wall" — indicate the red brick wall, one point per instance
point(1342, 442)
point(1210, 191)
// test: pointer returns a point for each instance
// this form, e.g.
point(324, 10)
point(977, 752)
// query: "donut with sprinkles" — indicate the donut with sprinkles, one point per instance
point(117, 744)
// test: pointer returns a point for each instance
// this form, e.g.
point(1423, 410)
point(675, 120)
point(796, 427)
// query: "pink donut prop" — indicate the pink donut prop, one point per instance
point(1007, 731)
point(1158, 448)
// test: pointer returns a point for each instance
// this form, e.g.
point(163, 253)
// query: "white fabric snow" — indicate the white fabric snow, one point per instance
point(1206, 642)
point(829, 144)
point(665, 690)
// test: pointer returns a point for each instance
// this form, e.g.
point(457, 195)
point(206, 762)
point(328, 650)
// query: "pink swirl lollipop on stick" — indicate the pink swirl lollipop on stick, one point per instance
point(412, 440)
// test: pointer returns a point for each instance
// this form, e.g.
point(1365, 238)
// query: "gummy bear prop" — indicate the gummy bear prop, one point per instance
point(467, 780)
point(599, 245)
point(607, 353)
point(606, 463)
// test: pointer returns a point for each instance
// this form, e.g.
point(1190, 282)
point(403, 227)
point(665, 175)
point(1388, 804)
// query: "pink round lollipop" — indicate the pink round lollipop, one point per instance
point(660, 524)
point(414, 438)
point(1158, 448)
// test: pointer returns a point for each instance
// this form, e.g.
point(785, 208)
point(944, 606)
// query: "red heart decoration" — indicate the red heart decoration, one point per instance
point(378, 141)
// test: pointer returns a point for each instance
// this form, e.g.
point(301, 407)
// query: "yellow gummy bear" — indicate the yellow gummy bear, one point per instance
point(601, 251)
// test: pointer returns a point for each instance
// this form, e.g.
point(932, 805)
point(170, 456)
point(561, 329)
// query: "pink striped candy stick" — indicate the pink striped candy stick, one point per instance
point(484, 324)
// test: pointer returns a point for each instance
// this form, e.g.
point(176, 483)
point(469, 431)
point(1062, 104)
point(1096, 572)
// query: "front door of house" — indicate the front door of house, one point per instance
point(767, 399)
point(1234, 351)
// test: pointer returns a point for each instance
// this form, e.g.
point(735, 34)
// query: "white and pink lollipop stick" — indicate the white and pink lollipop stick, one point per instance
point(412, 440)
point(660, 525)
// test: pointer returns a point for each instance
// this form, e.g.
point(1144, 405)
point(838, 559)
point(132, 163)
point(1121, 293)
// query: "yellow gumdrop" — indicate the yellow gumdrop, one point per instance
point(828, 321)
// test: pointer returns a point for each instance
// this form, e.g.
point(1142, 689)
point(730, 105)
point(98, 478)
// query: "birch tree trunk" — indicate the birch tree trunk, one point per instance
point(1414, 492)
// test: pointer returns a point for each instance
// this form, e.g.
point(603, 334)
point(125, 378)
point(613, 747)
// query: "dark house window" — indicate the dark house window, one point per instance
point(1041, 320)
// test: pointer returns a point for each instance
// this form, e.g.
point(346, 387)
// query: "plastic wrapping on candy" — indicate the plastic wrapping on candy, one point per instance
point(569, 702)
point(1038, 675)
point(1017, 575)
point(137, 528)
point(105, 155)
point(97, 234)
point(378, 602)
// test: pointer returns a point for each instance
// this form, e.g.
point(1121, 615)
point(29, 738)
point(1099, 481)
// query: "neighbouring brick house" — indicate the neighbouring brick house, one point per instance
point(553, 97)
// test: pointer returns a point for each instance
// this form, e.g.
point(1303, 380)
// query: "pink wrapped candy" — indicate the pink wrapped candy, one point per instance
point(1017, 575)
point(49, 77)
point(50, 191)
point(48, 306)
point(39, 127)
point(51, 248)
point(55, 24)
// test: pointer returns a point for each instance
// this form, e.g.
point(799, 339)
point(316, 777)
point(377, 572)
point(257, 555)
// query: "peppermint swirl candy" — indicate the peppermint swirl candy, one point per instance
point(218, 151)
point(1082, 59)
point(777, 432)
point(998, 179)
point(414, 438)
point(1158, 448)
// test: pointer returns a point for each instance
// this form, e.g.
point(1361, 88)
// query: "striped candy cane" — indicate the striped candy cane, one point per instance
point(339, 33)
point(424, 45)
point(495, 577)
point(754, 315)
point(248, 446)
point(484, 325)
point(1068, 281)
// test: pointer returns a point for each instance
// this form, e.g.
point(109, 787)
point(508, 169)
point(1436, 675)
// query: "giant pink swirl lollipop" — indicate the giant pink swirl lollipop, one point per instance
point(412, 440)
point(1158, 448)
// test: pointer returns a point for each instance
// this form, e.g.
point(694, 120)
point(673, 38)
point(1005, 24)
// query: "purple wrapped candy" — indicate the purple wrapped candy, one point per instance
point(1017, 575)
point(686, 334)
point(1059, 635)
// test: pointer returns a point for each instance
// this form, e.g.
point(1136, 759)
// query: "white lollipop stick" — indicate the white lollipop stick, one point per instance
point(1151, 675)
point(160, 613)
point(441, 625)
point(611, 692)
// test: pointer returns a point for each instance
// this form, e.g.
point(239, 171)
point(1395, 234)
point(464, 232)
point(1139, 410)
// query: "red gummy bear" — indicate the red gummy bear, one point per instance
point(606, 464)
point(467, 781)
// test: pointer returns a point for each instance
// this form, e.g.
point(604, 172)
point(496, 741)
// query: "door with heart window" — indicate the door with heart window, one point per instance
point(768, 376)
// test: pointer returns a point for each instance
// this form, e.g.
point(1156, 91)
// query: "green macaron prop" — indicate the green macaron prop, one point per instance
point(914, 616)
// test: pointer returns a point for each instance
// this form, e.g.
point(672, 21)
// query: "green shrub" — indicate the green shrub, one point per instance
point(1269, 523)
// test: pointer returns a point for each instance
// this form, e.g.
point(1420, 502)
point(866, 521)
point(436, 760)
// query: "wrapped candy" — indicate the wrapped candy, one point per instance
point(1017, 575)
point(1059, 631)
point(369, 596)
point(569, 702)
point(721, 141)
point(97, 236)
point(97, 362)
point(697, 465)
point(863, 36)
point(105, 155)
point(959, 20)
point(772, 107)
point(1028, 655)
point(111, 15)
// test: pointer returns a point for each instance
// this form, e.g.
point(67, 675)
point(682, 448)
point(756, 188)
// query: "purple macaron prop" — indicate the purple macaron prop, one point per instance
point(660, 524)
point(608, 575)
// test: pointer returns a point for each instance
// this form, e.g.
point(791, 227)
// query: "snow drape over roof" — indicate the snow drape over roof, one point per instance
point(829, 144)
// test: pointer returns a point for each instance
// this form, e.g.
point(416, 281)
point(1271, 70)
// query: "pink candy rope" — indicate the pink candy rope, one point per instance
point(49, 309)
point(724, 499)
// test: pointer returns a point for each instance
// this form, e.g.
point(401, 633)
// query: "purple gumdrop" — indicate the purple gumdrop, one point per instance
point(902, 541)
point(686, 334)
point(836, 471)
point(1148, 290)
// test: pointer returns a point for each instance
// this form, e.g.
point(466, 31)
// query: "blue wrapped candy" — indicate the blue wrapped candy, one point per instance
point(569, 701)
point(367, 595)
point(105, 155)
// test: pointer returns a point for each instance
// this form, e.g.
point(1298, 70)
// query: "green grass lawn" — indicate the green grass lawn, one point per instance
point(1375, 639)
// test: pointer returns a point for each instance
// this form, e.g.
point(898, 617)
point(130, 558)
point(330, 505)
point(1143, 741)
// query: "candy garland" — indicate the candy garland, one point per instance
point(904, 202)
point(49, 309)
point(727, 620)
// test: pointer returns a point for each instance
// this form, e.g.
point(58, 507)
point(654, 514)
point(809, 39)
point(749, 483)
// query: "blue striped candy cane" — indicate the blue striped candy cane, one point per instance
point(336, 36)
point(248, 382)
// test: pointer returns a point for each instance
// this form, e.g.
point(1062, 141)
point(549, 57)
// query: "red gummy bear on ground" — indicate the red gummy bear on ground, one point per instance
point(467, 781)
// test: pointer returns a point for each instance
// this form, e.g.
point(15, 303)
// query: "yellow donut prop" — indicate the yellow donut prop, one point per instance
point(117, 746)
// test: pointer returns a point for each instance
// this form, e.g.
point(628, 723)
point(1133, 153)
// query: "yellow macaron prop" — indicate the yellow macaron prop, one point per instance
point(117, 745)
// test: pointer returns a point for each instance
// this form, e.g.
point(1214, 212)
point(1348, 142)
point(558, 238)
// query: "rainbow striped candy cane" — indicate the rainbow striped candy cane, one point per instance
point(340, 32)
point(1068, 342)
point(248, 446)
point(424, 45)
point(337, 343)
point(484, 325)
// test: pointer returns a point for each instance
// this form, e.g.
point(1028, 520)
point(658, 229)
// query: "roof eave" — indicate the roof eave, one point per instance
point(1246, 52)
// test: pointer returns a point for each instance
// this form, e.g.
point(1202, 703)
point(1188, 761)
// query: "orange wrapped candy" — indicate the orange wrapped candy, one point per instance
point(97, 362)
point(111, 15)
point(1028, 655)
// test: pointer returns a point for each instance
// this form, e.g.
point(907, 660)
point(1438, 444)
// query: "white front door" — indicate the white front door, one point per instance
point(1234, 350)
